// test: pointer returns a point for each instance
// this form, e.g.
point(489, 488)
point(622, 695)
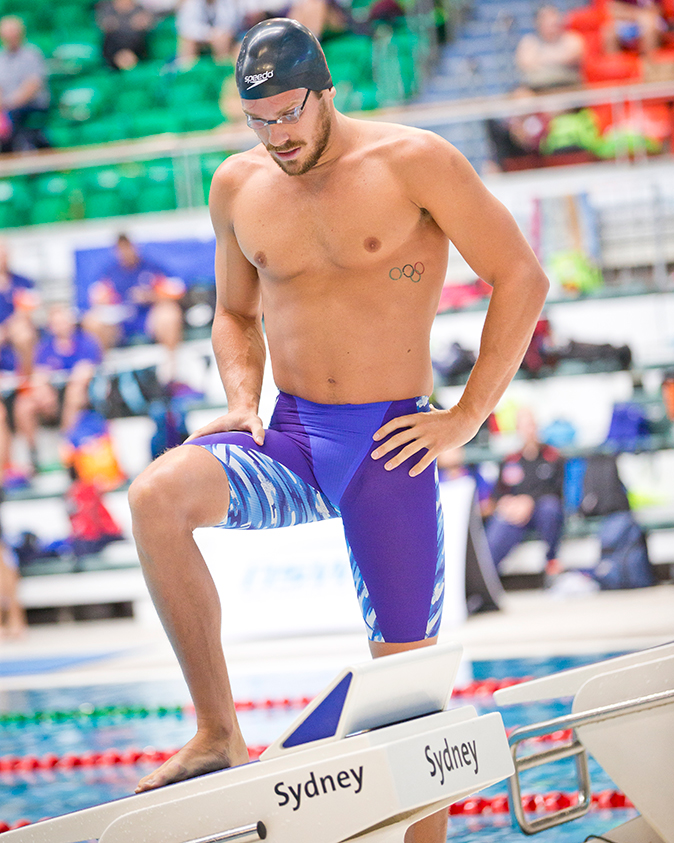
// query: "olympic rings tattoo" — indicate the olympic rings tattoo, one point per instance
point(414, 273)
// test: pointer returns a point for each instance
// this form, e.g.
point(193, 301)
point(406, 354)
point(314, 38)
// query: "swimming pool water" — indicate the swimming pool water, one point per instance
point(33, 795)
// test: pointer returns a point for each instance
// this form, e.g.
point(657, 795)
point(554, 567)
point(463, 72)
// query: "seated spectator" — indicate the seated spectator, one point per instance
point(23, 89)
point(528, 496)
point(12, 615)
point(18, 300)
point(5, 441)
point(320, 16)
point(551, 57)
point(160, 8)
point(125, 25)
point(66, 354)
point(205, 25)
point(634, 21)
point(135, 297)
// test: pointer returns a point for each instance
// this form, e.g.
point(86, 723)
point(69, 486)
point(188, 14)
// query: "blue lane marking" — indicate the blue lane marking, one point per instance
point(50, 664)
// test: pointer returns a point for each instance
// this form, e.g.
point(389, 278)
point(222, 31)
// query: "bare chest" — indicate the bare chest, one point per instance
point(353, 223)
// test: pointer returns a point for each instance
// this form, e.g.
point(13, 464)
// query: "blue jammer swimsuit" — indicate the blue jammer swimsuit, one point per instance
point(315, 464)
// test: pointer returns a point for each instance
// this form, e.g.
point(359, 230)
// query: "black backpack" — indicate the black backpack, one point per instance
point(624, 559)
point(603, 491)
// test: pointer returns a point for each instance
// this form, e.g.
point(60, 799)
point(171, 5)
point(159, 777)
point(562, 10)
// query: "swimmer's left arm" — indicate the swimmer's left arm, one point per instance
point(440, 180)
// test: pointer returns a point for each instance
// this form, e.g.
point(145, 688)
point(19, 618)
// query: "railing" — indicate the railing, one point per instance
point(573, 748)
point(235, 138)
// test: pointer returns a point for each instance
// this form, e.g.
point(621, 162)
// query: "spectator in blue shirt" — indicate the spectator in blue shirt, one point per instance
point(135, 297)
point(18, 300)
point(65, 362)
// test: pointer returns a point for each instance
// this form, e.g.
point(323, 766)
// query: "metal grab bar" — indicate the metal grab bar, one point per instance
point(573, 748)
point(563, 815)
point(245, 834)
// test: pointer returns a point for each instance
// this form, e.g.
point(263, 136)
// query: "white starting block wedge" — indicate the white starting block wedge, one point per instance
point(372, 755)
point(623, 715)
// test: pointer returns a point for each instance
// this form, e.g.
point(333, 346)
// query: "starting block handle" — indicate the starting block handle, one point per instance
point(244, 834)
point(574, 749)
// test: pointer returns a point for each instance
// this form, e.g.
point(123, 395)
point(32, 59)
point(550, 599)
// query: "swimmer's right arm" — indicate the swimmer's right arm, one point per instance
point(237, 336)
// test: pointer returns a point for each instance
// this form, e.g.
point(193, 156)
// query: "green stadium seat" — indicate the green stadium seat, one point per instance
point(159, 197)
point(144, 73)
point(15, 200)
point(113, 127)
point(144, 87)
point(54, 200)
point(104, 192)
point(155, 122)
point(206, 77)
point(69, 16)
point(78, 104)
point(158, 190)
point(201, 116)
point(134, 100)
point(133, 181)
point(64, 135)
point(46, 41)
point(162, 41)
point(104, 204)
point(52, 184)
point(80, 53)
point(210, 162)
point(186, 91)
point(30, 18)
point(49, 209)
point(106, 83)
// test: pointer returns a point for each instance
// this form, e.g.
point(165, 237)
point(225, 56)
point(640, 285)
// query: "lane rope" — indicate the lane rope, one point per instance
point(479, 688)
point(151, 755)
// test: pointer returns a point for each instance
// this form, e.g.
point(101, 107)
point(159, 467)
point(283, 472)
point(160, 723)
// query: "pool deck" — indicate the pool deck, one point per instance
point(530, 623)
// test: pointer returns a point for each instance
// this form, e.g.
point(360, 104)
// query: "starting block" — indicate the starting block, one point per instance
point(373, 754)
point(623, 715)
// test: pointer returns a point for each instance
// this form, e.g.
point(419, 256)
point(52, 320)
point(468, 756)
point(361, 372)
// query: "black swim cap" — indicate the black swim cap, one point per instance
point(280, 55)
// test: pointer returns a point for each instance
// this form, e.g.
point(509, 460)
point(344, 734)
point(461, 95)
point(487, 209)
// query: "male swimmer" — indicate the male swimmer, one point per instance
point(337, 231)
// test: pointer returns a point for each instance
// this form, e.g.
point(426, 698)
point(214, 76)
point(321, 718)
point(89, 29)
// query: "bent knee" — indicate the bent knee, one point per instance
point(159, 484)
point(185, 486)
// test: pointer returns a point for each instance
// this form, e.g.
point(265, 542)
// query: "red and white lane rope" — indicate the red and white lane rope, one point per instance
point(479, 688)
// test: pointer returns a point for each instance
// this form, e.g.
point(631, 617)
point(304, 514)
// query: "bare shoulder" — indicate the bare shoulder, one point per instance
point(228, 181)
point(422, 160)
point(409, 147)
point(235, 171)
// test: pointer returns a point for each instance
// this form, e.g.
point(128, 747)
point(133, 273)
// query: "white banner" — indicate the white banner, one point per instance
point(297, 580)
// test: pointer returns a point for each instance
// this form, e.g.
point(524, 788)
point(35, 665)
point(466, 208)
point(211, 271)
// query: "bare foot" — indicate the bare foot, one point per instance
point(202, 754)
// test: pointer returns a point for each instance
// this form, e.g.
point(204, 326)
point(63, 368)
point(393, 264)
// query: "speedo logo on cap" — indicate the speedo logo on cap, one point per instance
point(257, 79)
